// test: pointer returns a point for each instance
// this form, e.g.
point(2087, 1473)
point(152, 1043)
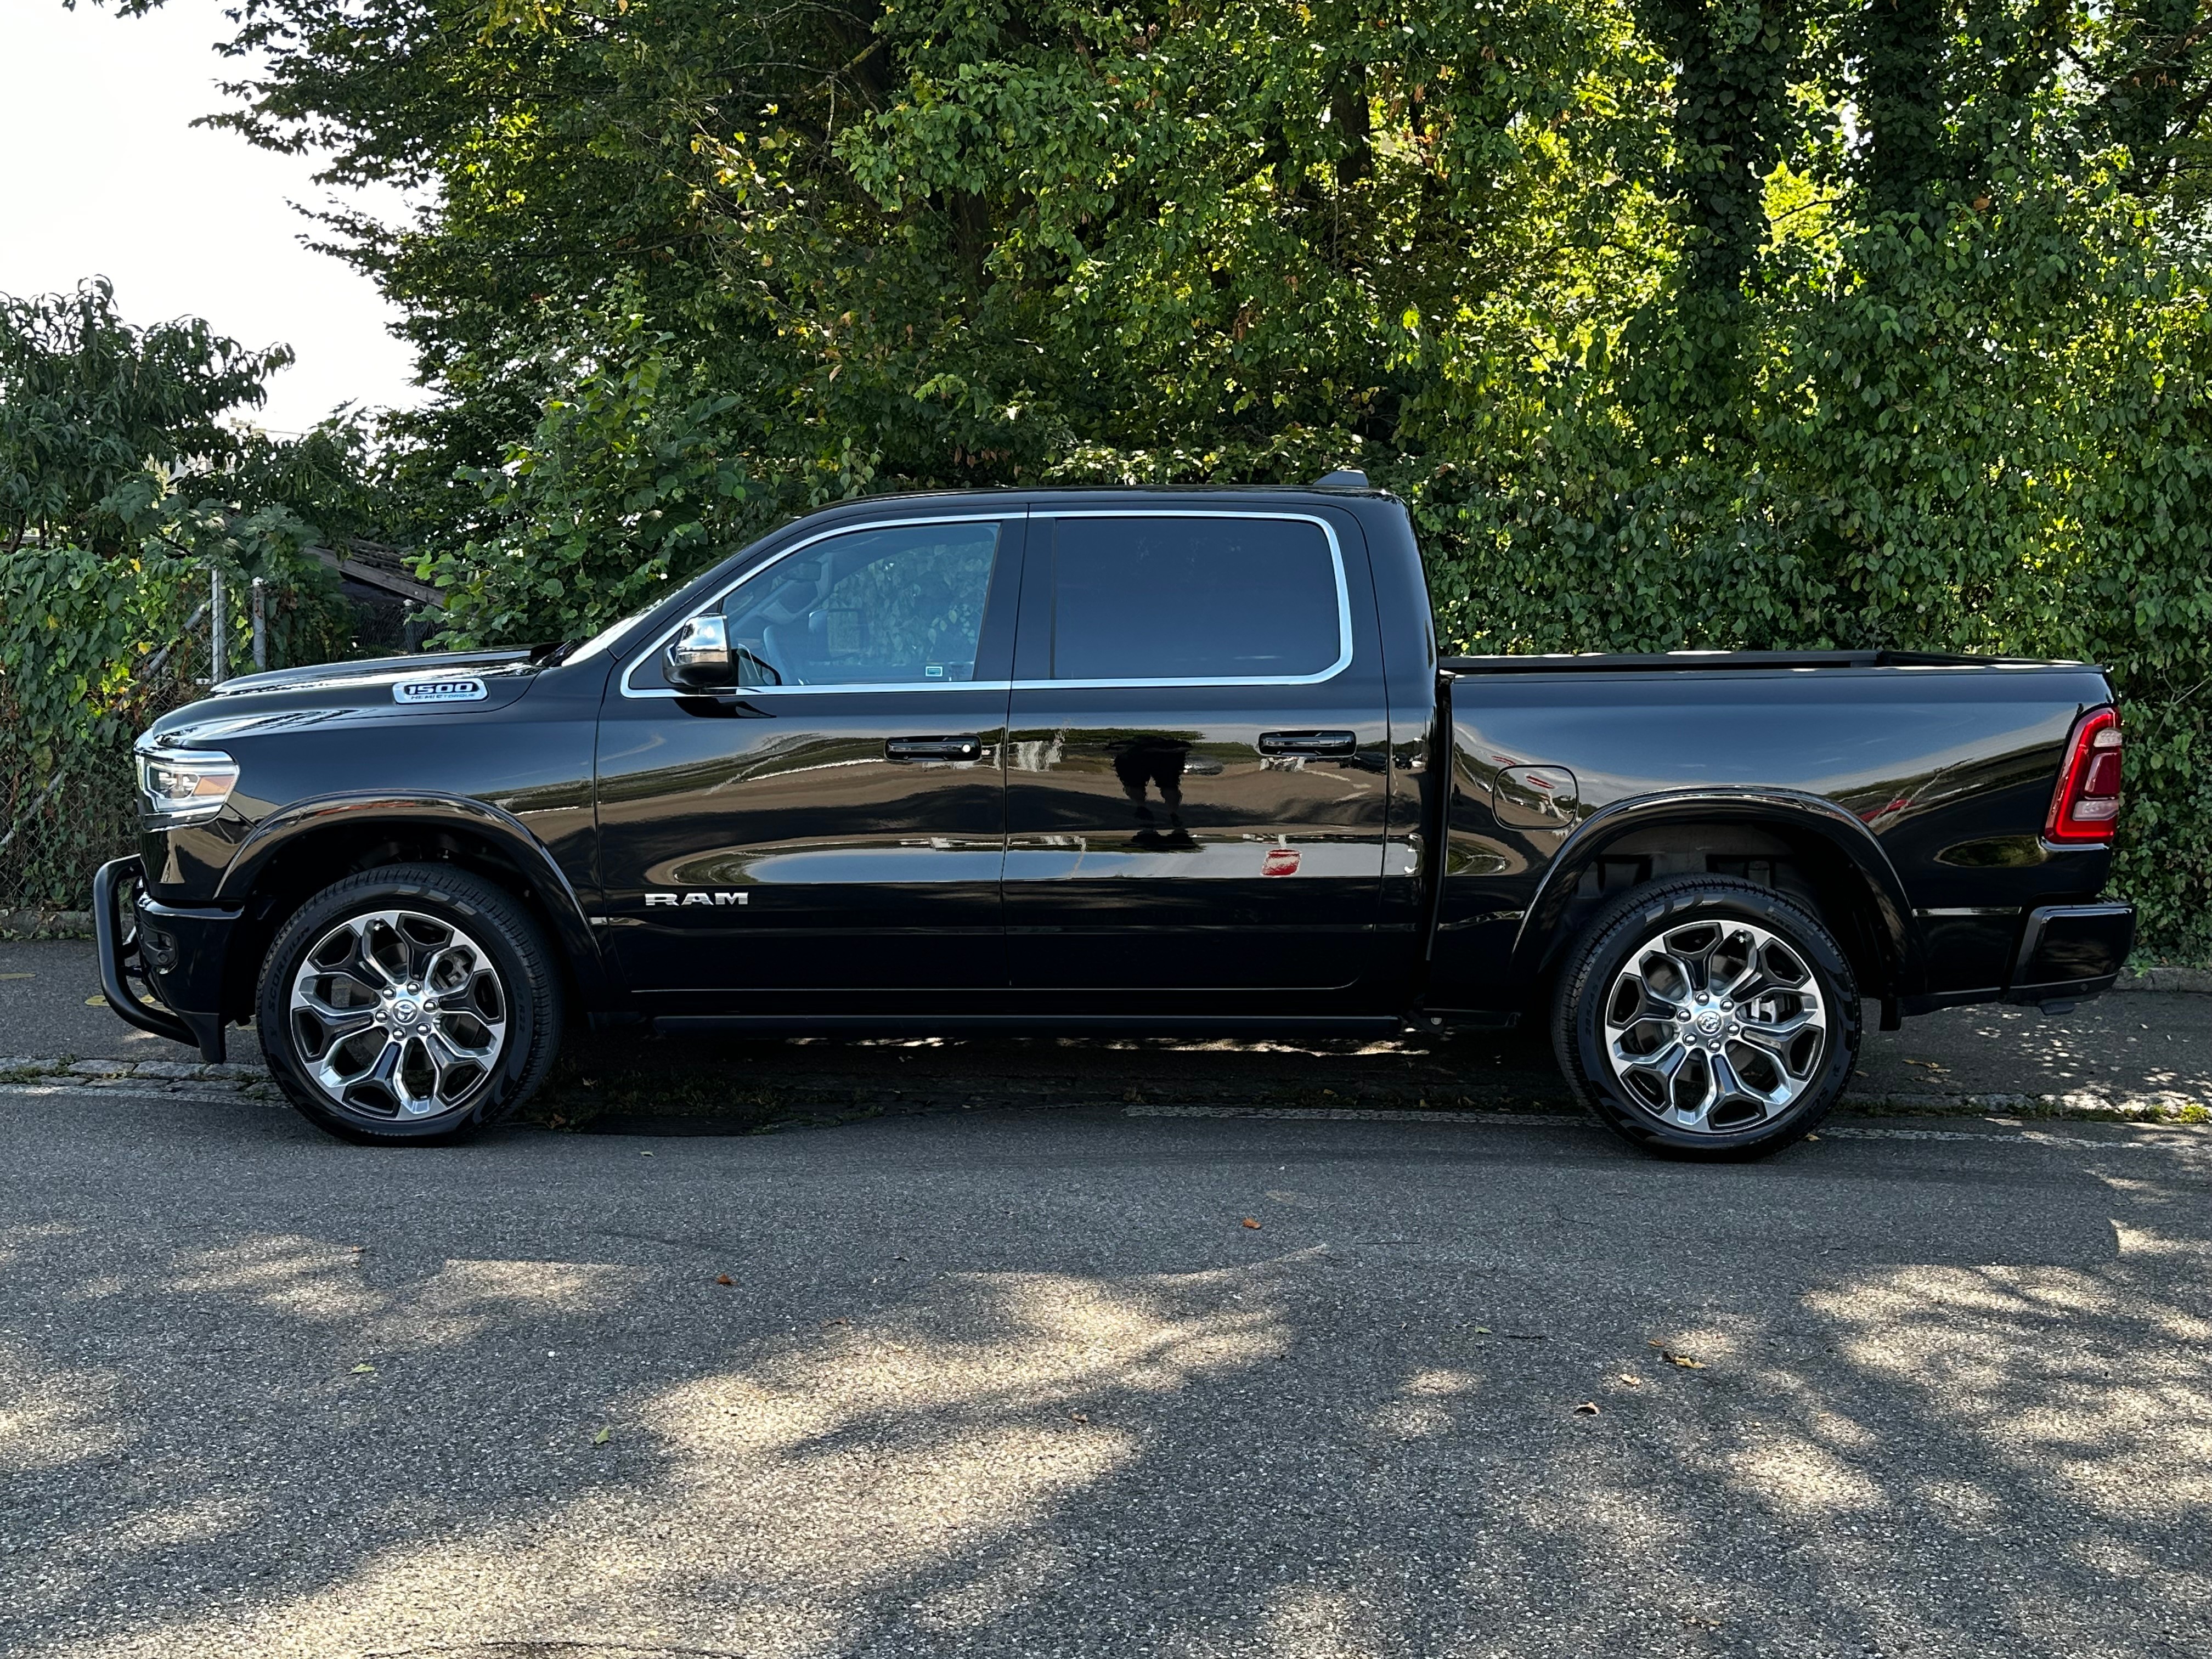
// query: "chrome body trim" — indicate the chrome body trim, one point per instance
point(653, 646)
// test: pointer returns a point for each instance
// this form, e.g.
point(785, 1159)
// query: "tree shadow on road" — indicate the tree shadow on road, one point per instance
point(976, 1388)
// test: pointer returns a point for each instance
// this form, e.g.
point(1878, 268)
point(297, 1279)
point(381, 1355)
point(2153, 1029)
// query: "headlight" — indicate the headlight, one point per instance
point(187, 783)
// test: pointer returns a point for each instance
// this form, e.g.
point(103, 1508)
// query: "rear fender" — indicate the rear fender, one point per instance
point(1879, 895)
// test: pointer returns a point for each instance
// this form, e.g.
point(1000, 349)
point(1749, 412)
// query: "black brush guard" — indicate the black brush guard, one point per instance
point(120, 963)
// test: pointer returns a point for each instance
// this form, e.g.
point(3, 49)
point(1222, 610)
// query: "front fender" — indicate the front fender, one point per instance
point(426, 810)
point(1789, 813)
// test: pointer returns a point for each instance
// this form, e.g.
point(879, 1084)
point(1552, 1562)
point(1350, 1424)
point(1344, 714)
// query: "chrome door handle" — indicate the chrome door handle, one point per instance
point(1308, 743)
point(946, 749)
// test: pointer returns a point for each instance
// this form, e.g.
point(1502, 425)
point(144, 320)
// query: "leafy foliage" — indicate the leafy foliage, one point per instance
point(123, 490)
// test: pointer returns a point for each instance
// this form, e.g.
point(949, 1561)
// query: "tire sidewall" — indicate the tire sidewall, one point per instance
point(1618, 937)
point(487, 916)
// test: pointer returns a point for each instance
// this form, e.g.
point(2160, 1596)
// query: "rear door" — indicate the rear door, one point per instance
point(841, 826)
point(1196, 763)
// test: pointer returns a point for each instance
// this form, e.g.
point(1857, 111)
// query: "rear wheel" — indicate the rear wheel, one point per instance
point(1707, 1018)
point(409, 1003)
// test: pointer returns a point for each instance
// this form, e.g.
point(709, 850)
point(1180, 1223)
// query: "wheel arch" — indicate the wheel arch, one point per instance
point(298, 851)
point(1862, 898)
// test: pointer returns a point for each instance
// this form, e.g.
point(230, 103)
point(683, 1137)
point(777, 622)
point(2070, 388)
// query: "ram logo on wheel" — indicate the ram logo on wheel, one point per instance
point(697, 898)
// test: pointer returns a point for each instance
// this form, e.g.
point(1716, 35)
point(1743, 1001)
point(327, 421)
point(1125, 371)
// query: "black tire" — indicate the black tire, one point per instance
point(1643, 1105)
point(504, 1002)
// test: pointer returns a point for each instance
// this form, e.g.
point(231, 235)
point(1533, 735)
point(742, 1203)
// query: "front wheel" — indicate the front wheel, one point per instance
point(409, 1003)
point(1705, 1017)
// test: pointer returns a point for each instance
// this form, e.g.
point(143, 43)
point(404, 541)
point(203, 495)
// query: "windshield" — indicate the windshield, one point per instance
point(606, 636)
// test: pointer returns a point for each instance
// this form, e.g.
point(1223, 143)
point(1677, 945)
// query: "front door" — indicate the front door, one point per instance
point(839, 824)
point(1196, 779)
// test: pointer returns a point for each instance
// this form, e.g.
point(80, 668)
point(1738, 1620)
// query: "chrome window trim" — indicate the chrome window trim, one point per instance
point(1329, 533)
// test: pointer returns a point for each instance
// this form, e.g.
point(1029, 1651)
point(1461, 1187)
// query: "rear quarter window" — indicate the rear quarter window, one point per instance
point(1194, 598)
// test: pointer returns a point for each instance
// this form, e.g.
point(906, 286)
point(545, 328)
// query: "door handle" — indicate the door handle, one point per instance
point(1308, 743)
point(946, 749)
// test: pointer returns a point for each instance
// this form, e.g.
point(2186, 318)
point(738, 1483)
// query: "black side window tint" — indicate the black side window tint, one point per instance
point(1193, 598)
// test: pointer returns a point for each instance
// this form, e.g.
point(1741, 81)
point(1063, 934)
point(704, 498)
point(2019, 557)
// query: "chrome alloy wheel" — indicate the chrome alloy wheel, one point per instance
point(398, 1014)
point(1714, 1027)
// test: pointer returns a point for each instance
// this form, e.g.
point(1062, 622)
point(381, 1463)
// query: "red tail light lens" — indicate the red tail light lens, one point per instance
point(2086, 807)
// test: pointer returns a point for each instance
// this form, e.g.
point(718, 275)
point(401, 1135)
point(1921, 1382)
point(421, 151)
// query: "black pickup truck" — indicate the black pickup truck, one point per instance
point(1128, 761)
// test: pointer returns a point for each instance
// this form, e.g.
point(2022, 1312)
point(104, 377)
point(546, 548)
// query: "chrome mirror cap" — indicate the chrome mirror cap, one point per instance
point(700, 658)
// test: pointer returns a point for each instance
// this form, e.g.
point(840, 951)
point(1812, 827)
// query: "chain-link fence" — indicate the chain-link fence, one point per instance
point(62, 823)
point(69, 787)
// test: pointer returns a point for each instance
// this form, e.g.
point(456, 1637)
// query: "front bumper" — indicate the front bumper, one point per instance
point(177, 955)
point(2070, 951)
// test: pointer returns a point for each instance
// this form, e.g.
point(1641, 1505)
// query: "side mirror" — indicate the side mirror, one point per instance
point(700, 658)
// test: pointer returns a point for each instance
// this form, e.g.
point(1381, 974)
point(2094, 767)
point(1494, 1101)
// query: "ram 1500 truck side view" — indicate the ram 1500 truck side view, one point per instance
point(1110, 760)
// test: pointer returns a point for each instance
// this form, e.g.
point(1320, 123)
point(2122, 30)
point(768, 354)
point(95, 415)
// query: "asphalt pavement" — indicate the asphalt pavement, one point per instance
point(1077, 1381)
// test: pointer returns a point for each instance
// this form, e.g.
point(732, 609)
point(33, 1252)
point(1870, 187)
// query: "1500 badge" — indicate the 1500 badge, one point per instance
point(652, 899)
point(470, 691)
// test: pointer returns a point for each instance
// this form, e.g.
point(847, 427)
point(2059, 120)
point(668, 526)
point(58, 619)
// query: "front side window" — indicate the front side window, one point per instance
point(1202, 598)
point(873, 607)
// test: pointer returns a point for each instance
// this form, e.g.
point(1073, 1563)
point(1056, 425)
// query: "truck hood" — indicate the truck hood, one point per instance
point(384, 688)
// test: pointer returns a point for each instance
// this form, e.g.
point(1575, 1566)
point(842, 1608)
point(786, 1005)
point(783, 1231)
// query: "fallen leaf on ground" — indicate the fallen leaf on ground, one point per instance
point(364, 1370)
point(1932, 1065)
point(18, 977)
point(1079, 1416)
point(724, 1279)
point(600, 1439)
point(827, 1323)
point(96, 1002)
point(1633, 1382)
point(1588, 1409)
point(1251, 1221)
point(1482, 1330)
point(1681, 1359)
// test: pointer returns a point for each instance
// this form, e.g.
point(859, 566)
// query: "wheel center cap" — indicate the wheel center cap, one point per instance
point(1709, 1021)
point(405, 1012)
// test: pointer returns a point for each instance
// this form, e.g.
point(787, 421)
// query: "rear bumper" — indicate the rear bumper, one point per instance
point(2068, 951)
point(177, 955)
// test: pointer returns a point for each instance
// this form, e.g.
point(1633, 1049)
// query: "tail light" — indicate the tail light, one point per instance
point(2087, 806)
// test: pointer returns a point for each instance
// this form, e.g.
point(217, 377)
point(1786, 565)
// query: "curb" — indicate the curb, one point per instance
point(1993, 1129)
point(45, 924)
point(99, 1073)
point(2196, 979)
point(2158, 1109)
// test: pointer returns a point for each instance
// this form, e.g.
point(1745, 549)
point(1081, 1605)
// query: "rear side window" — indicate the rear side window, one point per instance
point(1209, 598)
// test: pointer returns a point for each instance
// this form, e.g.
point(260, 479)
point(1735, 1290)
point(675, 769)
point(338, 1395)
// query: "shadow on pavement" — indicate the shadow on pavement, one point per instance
point(2153, 1048)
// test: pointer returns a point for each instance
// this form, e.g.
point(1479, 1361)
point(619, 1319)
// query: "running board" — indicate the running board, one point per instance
point(1032, 1024)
